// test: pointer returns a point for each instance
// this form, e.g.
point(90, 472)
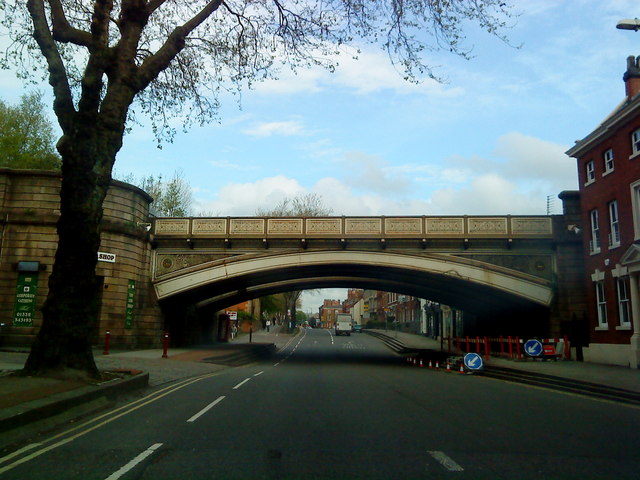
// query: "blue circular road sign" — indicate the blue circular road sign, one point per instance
point(533, 348)
point(473, 361)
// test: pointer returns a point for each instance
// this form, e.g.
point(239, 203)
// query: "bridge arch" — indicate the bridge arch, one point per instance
point(470, 285)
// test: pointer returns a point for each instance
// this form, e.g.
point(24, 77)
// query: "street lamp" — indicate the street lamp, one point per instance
point(628, 24)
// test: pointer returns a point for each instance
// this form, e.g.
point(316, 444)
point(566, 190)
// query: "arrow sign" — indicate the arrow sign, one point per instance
point(473, 361)
point(533, 348)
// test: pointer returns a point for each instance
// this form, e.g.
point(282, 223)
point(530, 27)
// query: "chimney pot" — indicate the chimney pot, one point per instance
point(632, 77)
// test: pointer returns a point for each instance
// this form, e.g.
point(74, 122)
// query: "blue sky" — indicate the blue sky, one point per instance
point(490, 140)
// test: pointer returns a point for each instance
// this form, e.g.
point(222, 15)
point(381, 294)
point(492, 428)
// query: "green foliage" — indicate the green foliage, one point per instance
point(26, 135)
point(170, 198)
point(271, 304)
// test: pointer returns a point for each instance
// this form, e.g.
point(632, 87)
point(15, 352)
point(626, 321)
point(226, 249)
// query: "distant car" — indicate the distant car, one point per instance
point(356, 327)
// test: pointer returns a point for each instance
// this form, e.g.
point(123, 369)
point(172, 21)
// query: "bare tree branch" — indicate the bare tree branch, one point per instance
point(63, 103)
point(62, 30)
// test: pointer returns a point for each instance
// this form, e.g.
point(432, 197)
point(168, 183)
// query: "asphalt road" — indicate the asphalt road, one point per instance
point(342, 408)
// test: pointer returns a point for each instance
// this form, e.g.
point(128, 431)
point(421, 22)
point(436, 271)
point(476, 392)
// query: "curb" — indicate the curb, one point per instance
point(44, 408)
point(553, 382)
point(243, 354)
point(563, 384)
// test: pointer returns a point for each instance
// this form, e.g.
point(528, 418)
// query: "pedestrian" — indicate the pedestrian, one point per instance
point(268, 324)
point(234, 331)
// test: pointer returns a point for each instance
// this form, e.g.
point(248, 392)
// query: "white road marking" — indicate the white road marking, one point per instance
point(445, 461)
point(241, 383)
point(134, 462)
point(206, 409)
point(131, 407)
point(31, 446)
point(259, 373)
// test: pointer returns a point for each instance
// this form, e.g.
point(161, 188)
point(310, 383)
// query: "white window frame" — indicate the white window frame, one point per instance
point(594, 244)
point(624, 306)
point(635, 142)
point(590, 171)
point(614, 225)
point(607, 156)
point(635, 207)
point(601, 305)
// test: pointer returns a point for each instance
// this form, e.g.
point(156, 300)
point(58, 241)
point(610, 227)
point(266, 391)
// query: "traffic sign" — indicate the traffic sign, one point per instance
point(533, 348)
point(473, 361)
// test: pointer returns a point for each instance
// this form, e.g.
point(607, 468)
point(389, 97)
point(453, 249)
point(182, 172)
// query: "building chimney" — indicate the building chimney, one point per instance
point(632, 77)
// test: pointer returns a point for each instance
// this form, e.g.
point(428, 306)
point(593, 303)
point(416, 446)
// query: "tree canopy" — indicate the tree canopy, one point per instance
point(177, 57)
point(303, 205)
point(26, 135)
point(171, 198)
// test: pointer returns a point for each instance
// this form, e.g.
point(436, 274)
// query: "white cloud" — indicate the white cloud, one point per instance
point(269, 129)
point(364, 72)
point(488, 194)
point(517, 180)
point(243, 199)
point(528, 158)
point(369, 173)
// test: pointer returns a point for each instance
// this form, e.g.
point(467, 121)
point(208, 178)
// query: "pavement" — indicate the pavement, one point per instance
point(42, 403)
point(609, 375)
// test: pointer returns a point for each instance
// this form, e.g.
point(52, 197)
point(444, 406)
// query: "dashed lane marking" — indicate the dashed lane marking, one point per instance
point(241, 383)
point(206, 409)
point(445, 461)
point(134, 462)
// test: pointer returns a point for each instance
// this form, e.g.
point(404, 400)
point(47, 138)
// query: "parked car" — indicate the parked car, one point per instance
point(356, 327)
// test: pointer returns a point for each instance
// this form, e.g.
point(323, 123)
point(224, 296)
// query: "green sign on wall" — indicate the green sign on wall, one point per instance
point(131, 297)
point(26, 293)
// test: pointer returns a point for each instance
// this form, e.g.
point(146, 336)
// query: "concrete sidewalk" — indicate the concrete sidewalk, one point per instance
point(609, 375)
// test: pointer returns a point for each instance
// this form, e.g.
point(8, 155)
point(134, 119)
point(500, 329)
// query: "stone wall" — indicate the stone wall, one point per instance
point(29, 210)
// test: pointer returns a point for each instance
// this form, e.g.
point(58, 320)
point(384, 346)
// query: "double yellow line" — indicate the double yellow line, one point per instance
point(87, 426)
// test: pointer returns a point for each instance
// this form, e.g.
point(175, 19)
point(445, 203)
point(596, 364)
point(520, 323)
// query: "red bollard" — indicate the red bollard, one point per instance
point(106, 343)
point(166, 345)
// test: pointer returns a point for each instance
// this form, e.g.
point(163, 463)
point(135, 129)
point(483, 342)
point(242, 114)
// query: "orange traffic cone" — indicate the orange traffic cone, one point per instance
point(448, 367)
point(414, 361)
point(437, 365)
point(430, 364)
point(461, 369)
point(421, 363)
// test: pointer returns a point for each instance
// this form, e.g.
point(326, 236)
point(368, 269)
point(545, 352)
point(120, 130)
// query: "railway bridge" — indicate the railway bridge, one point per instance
point(498, 269)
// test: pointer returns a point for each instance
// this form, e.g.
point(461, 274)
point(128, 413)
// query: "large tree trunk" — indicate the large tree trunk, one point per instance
point(70, 312)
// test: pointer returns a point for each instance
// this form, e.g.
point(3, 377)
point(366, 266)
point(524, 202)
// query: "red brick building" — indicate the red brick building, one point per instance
point(328, 311)
point(609, 177)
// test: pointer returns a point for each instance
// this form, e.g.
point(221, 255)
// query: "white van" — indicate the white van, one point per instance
point(343, 324)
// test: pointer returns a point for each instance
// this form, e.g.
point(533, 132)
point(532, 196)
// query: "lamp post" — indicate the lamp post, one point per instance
point(629, 24)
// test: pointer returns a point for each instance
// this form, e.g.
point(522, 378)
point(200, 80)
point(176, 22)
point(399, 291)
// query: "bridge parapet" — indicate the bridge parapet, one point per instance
point(357, 227)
